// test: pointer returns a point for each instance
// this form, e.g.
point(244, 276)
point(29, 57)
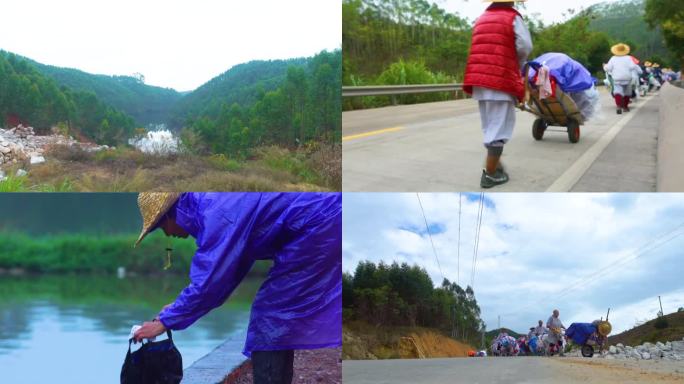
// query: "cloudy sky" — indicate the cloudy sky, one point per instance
point(537, 252)
point(174, 43)
point(549, 10)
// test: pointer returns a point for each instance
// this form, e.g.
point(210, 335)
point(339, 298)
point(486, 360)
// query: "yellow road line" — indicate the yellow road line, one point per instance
point(371, 133)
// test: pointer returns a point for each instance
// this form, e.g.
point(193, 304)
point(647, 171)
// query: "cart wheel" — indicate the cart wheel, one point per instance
point(573, 131)
point(587, 350)
point(538, 129)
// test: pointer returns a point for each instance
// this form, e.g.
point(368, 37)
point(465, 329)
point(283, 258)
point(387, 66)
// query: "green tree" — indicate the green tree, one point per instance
point(668, 15)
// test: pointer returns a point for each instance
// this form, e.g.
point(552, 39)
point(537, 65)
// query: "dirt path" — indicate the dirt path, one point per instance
point(622, 371)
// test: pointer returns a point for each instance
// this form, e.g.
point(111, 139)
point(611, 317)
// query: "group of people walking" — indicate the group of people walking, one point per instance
point(501, 44)
point(542, 340)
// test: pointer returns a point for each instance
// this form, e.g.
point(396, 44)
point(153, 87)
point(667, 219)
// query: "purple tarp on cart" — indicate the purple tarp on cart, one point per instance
point(570, 75)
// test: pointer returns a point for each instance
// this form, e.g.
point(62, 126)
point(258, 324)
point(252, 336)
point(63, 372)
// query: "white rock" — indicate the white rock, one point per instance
point(660, 345)
point(21, 172)
point(610, 357)
point(678, 347)
point(37, 159)
point(646, 356)
point(612, 349)
point(620, 345)
point(635, 354)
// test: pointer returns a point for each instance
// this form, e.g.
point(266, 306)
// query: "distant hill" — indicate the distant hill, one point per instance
point(145, 103)
point(624, 21)
point(648, 332)
point(242, 84)
point(31, 97)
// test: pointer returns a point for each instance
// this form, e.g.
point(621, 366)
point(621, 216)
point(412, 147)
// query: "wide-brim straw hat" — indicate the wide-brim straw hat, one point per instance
point(153, 206)
point(604, 328)
point(656, 65)
point(620, 49)
point(647, 64)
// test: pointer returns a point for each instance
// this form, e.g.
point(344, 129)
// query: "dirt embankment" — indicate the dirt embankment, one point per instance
point(365, 342)
point(648, 332)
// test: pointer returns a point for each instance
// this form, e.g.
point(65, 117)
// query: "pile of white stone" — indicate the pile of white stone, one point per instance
point(20, 144)
point(672, 350)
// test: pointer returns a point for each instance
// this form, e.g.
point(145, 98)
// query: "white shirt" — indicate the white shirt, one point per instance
point(554, 322)
point(523, 46)
point(539, 330)
point(622, 68)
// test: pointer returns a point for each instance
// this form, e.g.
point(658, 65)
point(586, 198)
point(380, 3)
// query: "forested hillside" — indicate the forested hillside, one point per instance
point(145, 103)
point(241, 84)
point(403, 295)
point(624, 21)
point(29, 97)
point(263, 103)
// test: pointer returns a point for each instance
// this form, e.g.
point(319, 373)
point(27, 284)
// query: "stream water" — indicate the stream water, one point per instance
point(74, 329)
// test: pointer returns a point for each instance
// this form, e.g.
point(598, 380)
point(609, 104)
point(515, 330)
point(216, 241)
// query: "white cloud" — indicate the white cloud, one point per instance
point(174, 43)
point(532, 247)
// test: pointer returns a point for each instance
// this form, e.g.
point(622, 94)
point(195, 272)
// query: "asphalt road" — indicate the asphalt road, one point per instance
point(437, 147)
point(528, 370)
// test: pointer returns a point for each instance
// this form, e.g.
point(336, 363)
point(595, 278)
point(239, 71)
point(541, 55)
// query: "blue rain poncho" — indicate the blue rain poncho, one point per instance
point(299, 305)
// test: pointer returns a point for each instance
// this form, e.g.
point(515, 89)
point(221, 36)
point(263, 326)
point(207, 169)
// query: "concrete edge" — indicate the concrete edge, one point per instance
point(671, 140)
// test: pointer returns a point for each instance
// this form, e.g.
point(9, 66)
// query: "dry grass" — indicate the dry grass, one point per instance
point(128, 170)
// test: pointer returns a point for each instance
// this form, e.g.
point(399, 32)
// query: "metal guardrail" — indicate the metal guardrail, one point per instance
point(390, 90)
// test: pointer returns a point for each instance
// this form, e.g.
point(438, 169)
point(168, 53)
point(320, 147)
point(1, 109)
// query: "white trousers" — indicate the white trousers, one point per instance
point(498, 120)
point(622, 89)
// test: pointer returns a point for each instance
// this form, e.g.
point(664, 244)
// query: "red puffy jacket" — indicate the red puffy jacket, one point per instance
point(493, 61)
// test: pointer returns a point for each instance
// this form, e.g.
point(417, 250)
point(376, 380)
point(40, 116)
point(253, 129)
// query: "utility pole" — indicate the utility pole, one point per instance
point(661, 307)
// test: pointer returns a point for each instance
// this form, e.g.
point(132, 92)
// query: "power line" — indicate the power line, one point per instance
point(458, 265)
point(430, 235)
point(644, 249)
point(478, 226)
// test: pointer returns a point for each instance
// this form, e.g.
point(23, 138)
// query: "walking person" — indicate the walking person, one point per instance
point(500, 46)
point(622, 68)
point(299, 305)
point(554, 326)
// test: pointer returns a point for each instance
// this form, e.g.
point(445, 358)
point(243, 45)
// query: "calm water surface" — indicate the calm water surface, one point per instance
point(74, 329)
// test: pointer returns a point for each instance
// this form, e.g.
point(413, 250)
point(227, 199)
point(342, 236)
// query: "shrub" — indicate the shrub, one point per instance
point(223, 163)
point(661, 323)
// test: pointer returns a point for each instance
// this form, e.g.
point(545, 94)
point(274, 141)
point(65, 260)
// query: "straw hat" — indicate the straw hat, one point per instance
point(656, 65)
point(647, 64)
point(154, 205)
point(620, 49)
point(604, 328)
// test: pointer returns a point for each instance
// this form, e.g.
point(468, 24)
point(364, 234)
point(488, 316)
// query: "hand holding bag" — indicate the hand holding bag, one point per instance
point(154, 363)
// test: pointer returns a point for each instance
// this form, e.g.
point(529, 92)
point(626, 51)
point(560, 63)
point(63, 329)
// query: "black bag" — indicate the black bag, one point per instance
point(154, 363)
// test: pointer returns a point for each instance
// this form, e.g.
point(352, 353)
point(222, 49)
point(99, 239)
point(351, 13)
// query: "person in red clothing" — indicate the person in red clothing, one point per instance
point(500, 45)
